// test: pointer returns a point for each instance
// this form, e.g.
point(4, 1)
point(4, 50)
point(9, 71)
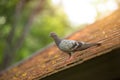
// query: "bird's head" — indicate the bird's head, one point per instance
point(52, 34)
point(55, 37)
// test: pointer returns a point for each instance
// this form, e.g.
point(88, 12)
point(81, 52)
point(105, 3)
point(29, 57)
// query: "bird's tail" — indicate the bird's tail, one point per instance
point(88, 45)
point(94, 44)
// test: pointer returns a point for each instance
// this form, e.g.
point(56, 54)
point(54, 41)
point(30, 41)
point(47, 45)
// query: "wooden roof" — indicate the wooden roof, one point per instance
point(51, 60)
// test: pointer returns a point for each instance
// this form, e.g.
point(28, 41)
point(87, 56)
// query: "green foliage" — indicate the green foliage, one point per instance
point(49, 20)
point(7, 8)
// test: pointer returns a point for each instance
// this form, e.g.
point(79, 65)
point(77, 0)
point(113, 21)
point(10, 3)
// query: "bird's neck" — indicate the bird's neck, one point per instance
point(57, 40)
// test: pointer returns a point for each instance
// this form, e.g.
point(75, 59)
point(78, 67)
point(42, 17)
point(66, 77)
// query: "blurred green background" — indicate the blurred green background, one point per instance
point(25, 24)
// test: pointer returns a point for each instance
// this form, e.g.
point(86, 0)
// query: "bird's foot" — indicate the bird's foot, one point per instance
point(70, 58)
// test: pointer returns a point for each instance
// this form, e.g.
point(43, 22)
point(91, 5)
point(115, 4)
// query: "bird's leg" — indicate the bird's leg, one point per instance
point(70, 56)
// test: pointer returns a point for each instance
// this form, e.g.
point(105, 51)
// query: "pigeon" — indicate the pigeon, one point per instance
point(71, 46)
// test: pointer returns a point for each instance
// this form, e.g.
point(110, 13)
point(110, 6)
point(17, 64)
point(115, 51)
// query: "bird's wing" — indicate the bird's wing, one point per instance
point(69, 45)
point(76, 46)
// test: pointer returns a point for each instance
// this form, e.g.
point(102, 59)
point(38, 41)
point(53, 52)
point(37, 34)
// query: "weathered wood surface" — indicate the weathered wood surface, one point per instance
point(52, 60)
